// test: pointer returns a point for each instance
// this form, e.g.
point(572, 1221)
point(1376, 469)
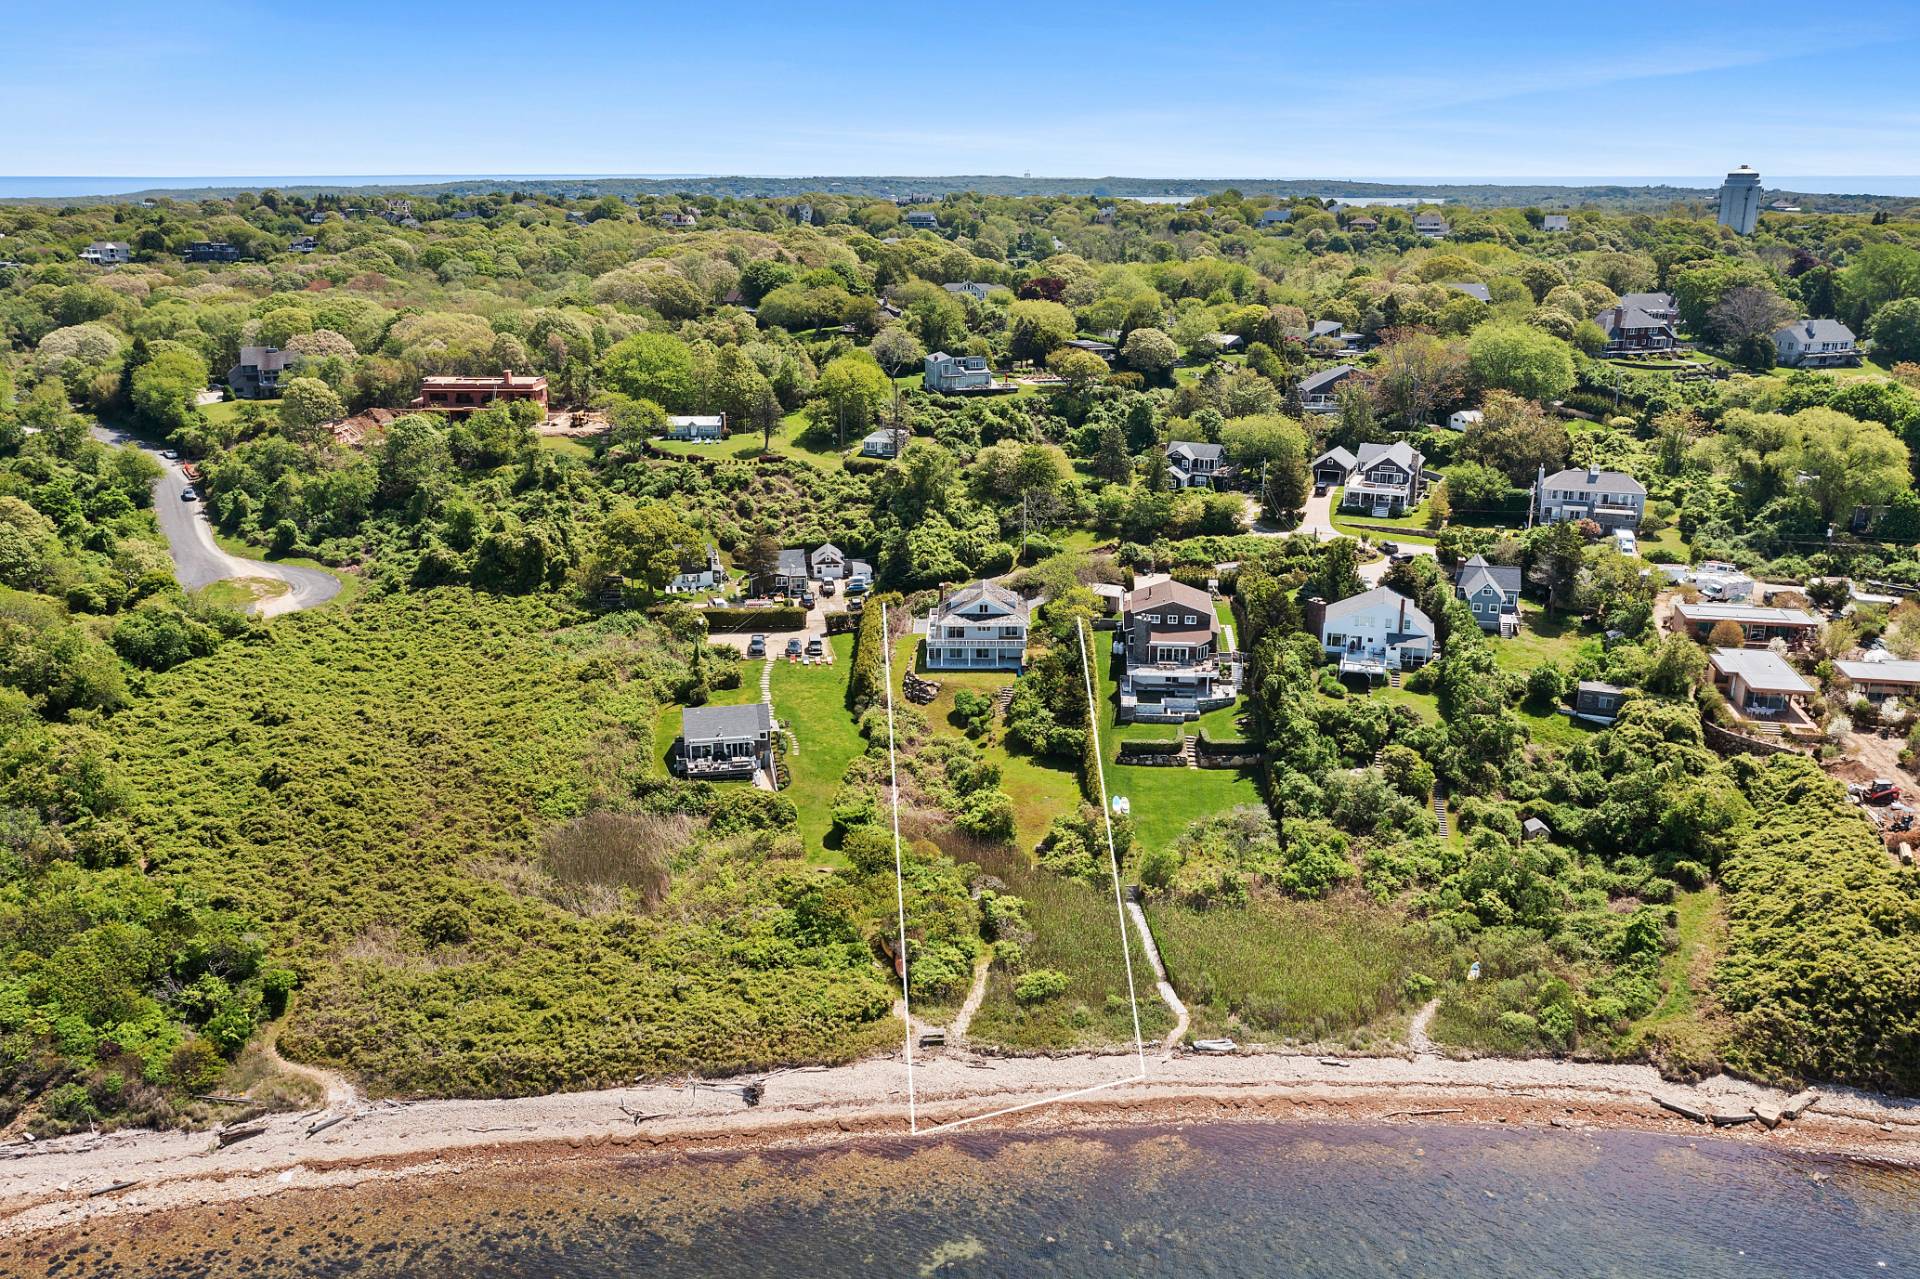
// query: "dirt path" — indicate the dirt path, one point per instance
point(1417, 1037)
point(975, 996)
point(339, 1091)
point(1172, 1000)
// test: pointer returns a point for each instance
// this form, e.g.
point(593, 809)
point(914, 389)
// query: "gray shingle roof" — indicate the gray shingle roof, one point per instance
point(1818, 331)
point(1476, 573)
point(1479, 291)
point(793, 563)
point(1196, 450)
point(970, 597)
point(1338, 456)
point(1596, 482)
point(725, 723)
point(1400, 453)
point(1316, 383)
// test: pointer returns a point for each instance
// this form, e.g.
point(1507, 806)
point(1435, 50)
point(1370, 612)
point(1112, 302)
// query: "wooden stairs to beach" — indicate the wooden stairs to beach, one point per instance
point(1440, 808)
point(1393, 679)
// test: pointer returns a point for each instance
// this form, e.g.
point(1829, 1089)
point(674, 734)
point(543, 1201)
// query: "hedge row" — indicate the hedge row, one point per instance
point(867, 685)
point(1224, 745)
point(782, 618)
point(1151, 746)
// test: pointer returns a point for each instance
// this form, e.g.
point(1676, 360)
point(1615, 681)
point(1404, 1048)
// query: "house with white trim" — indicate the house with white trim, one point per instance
point(1611, 499)
point(710, 426)
point(1375, 632)
point(1175, 667)
point(1759, 684)
point(698, 576)
point(107, 253)
point(1387, 479)
point(1761, 626)
point(978, 627)
point(950, 374)
point(1815, 344)
point(721, 743)
point(1493, 592)
point(1197, 465)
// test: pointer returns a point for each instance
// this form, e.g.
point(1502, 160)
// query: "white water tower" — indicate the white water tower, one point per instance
point(1740, 200)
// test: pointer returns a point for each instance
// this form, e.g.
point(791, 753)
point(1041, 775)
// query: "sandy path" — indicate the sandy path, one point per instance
point(1417, 1037)
point(976, 995)
point(1167, 994)
point(387, 1140)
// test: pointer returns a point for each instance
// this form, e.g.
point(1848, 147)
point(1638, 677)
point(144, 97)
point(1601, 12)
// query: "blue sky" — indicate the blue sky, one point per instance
point(1181, 88)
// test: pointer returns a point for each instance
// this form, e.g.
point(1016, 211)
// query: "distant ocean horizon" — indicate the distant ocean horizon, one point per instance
point(56, 186)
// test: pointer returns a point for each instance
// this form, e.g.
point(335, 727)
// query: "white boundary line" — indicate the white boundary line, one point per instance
point(899, 872)
point(1113, 855)
point(900, 900)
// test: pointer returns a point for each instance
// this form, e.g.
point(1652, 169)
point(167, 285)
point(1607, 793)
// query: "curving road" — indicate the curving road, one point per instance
point(198, 559)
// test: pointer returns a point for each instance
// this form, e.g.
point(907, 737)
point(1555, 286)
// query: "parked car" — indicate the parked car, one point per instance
point(793, 647)
point(815, 648)
point(757, 646)
point(188, 494)
point(857, 586)
point(826, 588)
point(806, 599)
point(1390, 548)
point(170, 454)
point(1319, 490)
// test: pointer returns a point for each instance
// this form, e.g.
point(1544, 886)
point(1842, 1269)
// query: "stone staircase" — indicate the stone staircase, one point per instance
point(1001, 698)
point(1189, 750)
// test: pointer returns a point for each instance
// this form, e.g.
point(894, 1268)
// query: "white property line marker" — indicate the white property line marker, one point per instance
point(900, 902)
point(899, 873)
point(1113, 855)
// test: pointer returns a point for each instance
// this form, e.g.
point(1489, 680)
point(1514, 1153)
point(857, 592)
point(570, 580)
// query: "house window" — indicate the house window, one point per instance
point(1334, 639)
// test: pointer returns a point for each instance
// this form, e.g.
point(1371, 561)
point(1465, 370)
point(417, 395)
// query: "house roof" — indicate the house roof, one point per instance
point(1315, 382)
point(1400, 453)
point(1817, 331)
point(1195, 450)
point(1479, 291)
point(969, 598)
point(824, 551)
point(1760, 670)
point(1596, 481)
point(1476, 573)
point(1620, 319)
point(1648, 301)
point(725, 723)
point(682, 419)
point(1168, 591)
point(1324, 329)
point(1408, 615)
point(793, 563)
point(1600, 686)
point(1751, 614)
point(1338, 456)
point(1880, 672)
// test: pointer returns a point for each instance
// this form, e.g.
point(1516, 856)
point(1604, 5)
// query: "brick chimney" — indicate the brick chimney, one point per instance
point(1315, 617)
point(507, 374)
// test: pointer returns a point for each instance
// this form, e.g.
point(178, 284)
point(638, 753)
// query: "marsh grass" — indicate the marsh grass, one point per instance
point(1303, 971)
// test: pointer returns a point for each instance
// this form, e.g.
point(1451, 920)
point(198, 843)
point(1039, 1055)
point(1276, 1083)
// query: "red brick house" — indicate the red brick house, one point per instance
point(464, 394)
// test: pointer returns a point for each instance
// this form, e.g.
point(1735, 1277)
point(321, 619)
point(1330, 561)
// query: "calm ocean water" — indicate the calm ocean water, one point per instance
point(1332, 1201)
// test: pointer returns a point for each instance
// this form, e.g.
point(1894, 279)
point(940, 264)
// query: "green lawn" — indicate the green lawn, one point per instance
point(1412, 526)
point(812, 701)
point(565, 446)
point(746, 445)
point(1664, 547)
point(1550, 728)
point(350, 583)
point(242, 592)
point(1543, 638)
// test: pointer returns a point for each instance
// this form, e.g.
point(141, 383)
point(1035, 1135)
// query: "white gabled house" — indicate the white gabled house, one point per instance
point(697, 427)
point(978, 627)
point(1375, 632)
point(700, 575)
point(1815, 344)
point(1611, 499)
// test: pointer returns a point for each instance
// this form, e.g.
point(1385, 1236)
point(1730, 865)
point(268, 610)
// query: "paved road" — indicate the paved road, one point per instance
point(198, 559)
